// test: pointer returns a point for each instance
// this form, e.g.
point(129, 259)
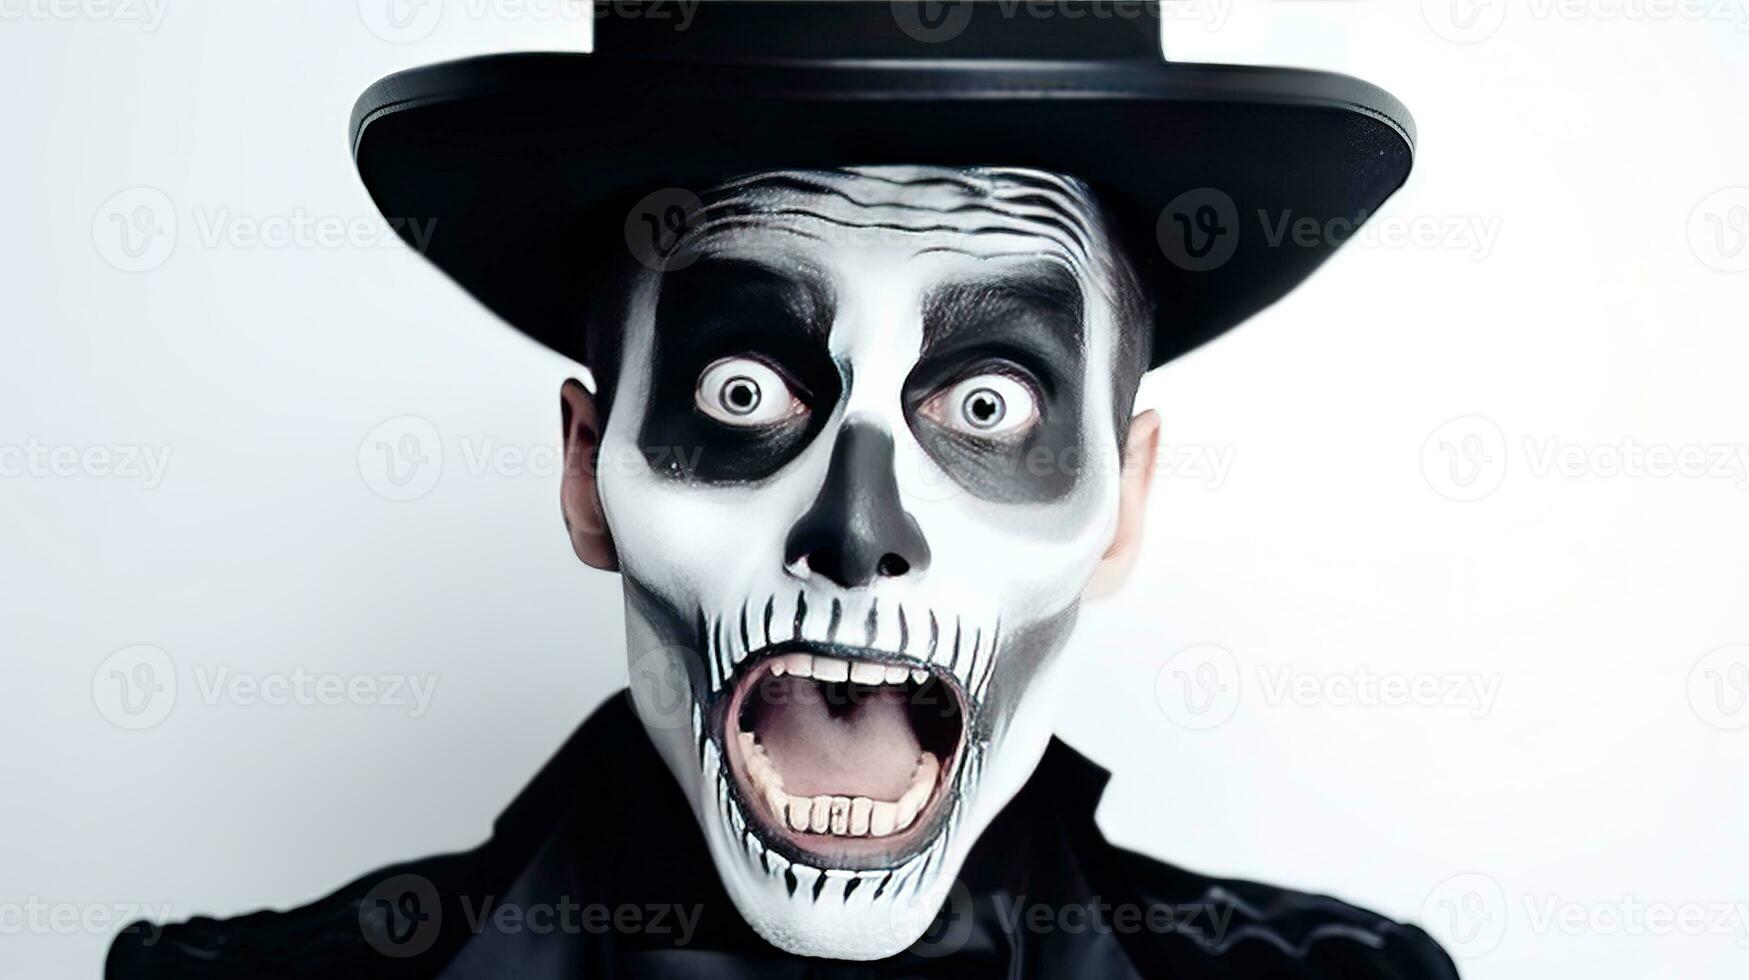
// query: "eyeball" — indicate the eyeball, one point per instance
point(991, 406)
point(745, 392)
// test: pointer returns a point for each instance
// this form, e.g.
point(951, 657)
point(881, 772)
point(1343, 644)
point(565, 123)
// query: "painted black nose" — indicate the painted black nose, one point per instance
point(857, 529)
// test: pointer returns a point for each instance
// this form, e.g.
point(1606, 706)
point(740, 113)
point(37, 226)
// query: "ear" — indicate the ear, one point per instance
point(579, 493)
point(1132, 508)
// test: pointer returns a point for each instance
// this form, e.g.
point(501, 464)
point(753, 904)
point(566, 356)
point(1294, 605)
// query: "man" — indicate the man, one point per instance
point(860, 442)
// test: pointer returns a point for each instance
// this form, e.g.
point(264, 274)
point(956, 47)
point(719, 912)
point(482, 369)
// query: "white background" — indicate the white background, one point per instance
point(1571, 298)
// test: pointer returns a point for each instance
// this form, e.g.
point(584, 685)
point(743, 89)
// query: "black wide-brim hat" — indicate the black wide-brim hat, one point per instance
point(521, 168)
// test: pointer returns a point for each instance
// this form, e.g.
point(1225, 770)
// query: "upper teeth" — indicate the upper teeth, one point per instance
point(929, 642)
point(829, 669)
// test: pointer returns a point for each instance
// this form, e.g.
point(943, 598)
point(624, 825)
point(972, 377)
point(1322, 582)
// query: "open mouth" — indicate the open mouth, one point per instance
point(844, 757)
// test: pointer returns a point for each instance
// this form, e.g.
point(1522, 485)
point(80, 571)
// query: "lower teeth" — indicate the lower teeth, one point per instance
point(839, 816)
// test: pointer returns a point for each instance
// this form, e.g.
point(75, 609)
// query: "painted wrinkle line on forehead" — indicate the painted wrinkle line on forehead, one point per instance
point(1029, 202)
point(1070, 267)
point(715, 227)
point(896, 175)
point(1075, 201)
point(725, 226)
point(1015, 202)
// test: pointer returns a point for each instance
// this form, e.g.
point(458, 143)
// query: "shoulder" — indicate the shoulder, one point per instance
point(1243, 928)
point(382, 925)
point(406, 920)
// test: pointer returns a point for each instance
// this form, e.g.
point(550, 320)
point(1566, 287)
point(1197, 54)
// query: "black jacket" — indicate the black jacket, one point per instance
point(598, 870)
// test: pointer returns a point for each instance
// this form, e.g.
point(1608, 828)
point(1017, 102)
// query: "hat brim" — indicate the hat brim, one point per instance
point(504, 161)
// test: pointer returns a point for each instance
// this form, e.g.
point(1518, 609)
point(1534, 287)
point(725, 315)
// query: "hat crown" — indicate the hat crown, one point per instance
point(713, 30)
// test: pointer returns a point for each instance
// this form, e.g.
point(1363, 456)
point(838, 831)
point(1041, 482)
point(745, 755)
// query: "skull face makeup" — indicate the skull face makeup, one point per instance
point(861, 464)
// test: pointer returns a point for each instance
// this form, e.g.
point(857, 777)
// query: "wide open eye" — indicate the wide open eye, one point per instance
point(991, 406)
point(742, 391)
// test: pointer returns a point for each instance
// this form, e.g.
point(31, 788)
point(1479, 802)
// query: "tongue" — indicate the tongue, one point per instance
point(845, 740)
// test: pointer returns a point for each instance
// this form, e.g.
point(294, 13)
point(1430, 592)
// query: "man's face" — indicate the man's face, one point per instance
point(861, 464)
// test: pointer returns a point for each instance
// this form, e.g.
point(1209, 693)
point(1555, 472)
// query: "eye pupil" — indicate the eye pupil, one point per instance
point(984, 408)
point(740, 395)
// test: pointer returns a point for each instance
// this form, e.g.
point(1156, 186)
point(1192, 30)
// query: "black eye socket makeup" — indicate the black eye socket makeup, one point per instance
point(760, 329)
point(1025, 328)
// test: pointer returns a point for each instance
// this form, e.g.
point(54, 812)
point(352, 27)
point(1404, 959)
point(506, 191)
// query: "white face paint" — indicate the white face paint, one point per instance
point(865, 433)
